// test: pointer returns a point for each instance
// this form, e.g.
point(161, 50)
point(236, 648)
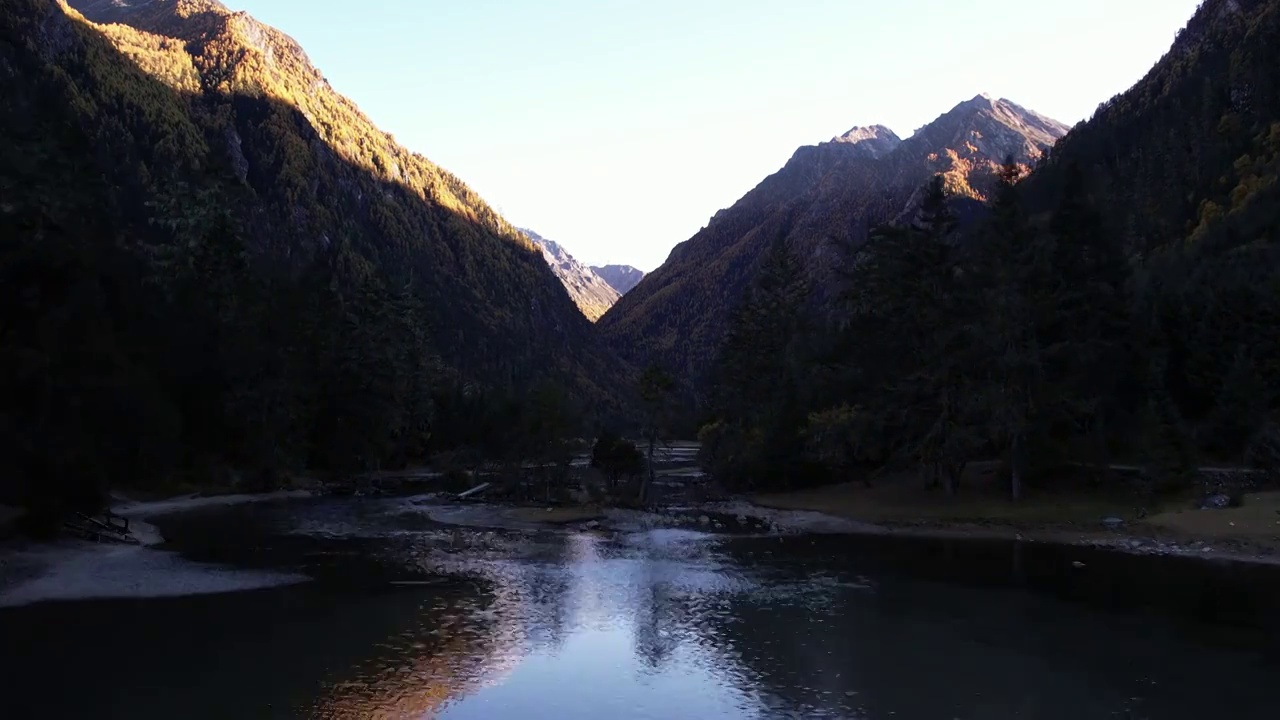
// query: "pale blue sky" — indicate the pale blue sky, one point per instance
point(619, 128)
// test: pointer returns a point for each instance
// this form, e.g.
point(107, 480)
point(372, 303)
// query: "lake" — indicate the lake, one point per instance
point(404, 617)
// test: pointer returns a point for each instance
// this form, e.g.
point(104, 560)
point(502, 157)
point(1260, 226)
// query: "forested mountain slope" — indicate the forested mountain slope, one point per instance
point(824, 200)
point(1183, 172)
point(212, 258)
point(1121, 302)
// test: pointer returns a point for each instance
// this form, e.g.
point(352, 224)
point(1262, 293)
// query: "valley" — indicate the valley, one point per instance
point(1001, 391)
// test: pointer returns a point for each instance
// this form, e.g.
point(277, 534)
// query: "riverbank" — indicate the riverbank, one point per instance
point(32, 572)
point(69, 570)
point(128, 507)
point(1250, 533)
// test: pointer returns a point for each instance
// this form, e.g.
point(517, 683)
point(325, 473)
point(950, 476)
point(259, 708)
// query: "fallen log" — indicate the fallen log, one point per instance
point(474, 491)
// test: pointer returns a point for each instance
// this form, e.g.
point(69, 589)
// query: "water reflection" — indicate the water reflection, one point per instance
point(626, 623)
point(447, 652)
point(655, 624)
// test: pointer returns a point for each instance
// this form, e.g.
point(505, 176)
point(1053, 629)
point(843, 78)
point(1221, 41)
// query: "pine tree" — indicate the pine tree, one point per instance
point(1081, 315)
point(760, 342)
point(656, 387)
point(1168, 452)
point(760, 372)
point(1010, 272)
point(912, 307)
point(1240, 408)
point(935, 217)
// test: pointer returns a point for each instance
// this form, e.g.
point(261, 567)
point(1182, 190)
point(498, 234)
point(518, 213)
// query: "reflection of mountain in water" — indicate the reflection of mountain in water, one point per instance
point(658, 623)
point(779, 626)
point(572, 601)
point(452, 647)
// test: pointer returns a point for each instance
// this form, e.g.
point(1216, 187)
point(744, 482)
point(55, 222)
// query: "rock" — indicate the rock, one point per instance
point(704, 520)
point(1112, 523)
point(1218, 501)
point(1077, 564)
point(590, 292)
point(591, 525)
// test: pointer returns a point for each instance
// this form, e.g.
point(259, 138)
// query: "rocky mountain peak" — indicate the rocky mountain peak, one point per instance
point(968, 142)
point(877, 140)
point(621, 277)
point(592, 294)
point(825, 197)
point(981, 101)
point(991, 129)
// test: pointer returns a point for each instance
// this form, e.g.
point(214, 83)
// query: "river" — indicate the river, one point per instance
point(405, 617)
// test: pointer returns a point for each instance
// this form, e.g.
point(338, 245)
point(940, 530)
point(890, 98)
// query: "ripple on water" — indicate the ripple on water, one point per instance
point(666, 622)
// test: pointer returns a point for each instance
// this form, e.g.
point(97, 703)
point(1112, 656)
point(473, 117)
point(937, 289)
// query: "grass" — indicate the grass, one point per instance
point(981, 500)
point(1257, 519)
point(1067, 513)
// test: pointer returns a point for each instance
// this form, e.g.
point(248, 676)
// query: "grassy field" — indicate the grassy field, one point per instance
point(1257, 519)
point(981, 500)
point(982, 505)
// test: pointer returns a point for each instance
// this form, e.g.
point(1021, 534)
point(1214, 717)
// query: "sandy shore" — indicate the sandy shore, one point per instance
point(72, 570)
point(81, 570)
point(1224, 535)
point(182, 503)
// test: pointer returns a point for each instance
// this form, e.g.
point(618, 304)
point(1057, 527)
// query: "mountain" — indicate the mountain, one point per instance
point(620, 277)
point(591, 293)
point(1184, 172)
point(1121, 301)
point(822, 201)
point(1190, 147)
point(215, 259)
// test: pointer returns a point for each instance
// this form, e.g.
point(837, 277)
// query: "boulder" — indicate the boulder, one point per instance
point(1218, 501)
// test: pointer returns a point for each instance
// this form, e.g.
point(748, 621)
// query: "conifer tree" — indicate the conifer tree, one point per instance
point(1010, 272)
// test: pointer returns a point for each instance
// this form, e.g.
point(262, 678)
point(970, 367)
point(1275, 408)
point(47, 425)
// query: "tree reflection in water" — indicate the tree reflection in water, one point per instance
point(661, 624)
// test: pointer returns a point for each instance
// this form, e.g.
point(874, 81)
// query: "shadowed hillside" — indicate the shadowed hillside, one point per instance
point(1120, 303)
point(215, 260)
point(821, 203)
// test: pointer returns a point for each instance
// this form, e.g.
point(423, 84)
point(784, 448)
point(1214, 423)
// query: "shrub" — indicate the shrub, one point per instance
point(616, 457)
point(729, 452)
point(1263, 453)
point(1169, 456)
